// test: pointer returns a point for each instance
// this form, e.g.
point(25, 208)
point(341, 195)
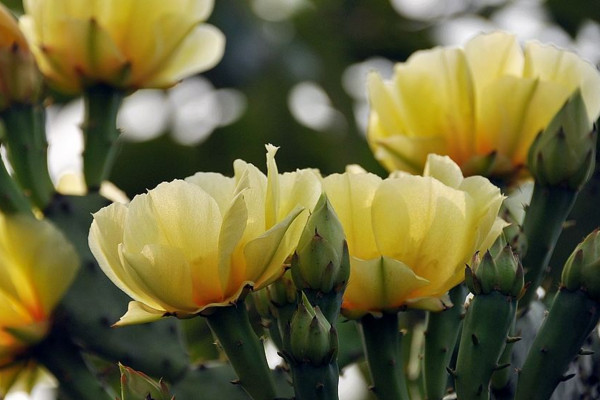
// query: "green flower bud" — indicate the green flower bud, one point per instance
point(282, 291)
point(321, 261)
point(499, 270)
point(564, 153)
point(137, 385)
point(313, 339)
point(582, 269)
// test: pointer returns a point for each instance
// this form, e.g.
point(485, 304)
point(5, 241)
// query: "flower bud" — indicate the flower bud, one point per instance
point(563, 154)
point(282, 291)
point(321, 261)
point(313, 339)
point(20, 80)
point(499, 270)
point(137, 385)
point(582, 269)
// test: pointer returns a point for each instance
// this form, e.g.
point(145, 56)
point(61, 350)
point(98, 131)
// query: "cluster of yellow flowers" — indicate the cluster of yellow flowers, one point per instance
point(194, 244)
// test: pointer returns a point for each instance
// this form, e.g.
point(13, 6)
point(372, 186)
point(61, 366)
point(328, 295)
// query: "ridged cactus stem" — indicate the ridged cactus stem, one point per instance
point(100, 133)
point(315, 382)
point(284, 319)
point(27, 151)
point(571, 319)
point(244, 350)
point(542, 226)
point(501, 378)
point(12, 200)
point(382, 343)
point(440, 339)
point(61, 357)
point(484, 334)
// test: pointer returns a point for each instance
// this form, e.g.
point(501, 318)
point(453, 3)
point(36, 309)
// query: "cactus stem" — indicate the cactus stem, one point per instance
point(27, 151)
point(243, 348)
point(100, 133)
point(381, 340)
point(543, 222)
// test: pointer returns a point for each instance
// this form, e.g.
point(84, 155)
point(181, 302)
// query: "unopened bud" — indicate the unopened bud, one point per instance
point(137, 385)
point(321, 261)
point(582, 269)
point(498, 270)
point(313, 339)
point(564, 153)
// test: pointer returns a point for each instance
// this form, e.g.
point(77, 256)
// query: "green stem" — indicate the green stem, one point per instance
point(315, 383)
point(440, 340)
point(542, 226)
point(64, 360)
point(100, 133)
point(381, 340)
point(571, 319)
point(232, 328)
point(28, 151)
point(12, 200)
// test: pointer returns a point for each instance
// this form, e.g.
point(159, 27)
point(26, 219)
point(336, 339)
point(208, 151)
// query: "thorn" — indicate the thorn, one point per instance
point(372, 389)
point(479, 390)
point(513, 339)
point(565, 378)
point(235, 382)
point(501, 367)
point(475, 339)
point(452, 372)
point(583, 352)
point(319, 386)
point(544, 350)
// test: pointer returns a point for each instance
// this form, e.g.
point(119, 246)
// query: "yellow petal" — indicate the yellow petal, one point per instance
point(232, 231)
point(379, 284)
point(351, 196)
point(219, 187)
point(424, 224)
point(491, 56)
point(273, 193)
point(406, 153)
point(437, 97)
point(255, 195)
point(444, 170)
point(139, 313)
point(105, 239)
point(385, 106)
point(549, 63)
point(164, 274)
point(513, 111)
point(201, 50)
point(176, 214)
point(43, 262)
point(266, 254)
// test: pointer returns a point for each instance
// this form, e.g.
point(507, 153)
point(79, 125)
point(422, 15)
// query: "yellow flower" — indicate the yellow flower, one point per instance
point(20, 80)
point(128, 44)
point(409, 236)
point(482, 105)
point(37, 265)
point(189, 245)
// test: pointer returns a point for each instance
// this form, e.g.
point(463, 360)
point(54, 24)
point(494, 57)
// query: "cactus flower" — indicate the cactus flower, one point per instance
point(482, 105)
point(409, 237)
point(189, 245)
point(20, 80)
point(126, 44)
point(37, 265)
